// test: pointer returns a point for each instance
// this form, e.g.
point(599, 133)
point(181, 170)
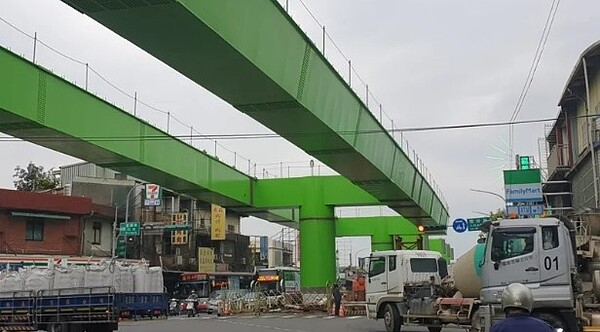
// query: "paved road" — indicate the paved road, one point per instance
point(268, 323)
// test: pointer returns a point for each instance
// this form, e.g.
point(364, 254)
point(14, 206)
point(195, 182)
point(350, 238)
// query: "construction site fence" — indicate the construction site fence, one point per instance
point(305, 301)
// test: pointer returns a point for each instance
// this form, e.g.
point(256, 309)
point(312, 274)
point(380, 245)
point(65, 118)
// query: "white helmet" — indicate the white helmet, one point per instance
point(517, 295)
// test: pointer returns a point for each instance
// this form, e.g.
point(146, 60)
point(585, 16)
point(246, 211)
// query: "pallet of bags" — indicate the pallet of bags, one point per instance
point(68, 277)
point(36, 279)
point(11, 282)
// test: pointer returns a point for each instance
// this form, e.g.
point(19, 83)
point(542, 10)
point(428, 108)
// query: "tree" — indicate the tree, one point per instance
point(499, 214)
point(33, 178)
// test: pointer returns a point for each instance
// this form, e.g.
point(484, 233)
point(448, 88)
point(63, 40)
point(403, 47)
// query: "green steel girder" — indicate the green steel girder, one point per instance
point(38, 106)
point(382, 229)
point(252, 54)
point(44, 109)
point(378, 226)
point(293, 192)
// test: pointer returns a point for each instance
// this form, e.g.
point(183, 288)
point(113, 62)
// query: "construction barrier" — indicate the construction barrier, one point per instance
point(258, 303)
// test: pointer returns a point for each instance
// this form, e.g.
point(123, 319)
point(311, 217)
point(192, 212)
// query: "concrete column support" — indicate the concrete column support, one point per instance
point(317, 242)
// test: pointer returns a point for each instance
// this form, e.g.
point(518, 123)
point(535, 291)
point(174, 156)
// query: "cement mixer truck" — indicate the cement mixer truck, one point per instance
point(546, 254)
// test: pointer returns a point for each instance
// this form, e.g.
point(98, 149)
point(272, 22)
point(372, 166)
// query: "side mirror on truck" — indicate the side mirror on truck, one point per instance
point(442, 267)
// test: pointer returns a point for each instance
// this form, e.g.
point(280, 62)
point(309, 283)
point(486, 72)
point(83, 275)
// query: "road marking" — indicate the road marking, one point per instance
point(354, 317)
point(263, 327)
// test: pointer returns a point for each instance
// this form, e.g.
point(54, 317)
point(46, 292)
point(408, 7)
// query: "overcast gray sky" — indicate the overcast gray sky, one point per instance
point(429, 63)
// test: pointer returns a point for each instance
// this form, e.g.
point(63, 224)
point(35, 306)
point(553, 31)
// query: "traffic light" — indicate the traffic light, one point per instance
point(432, 229)
point(121, 250)
point(130, 239)
point(523, 162)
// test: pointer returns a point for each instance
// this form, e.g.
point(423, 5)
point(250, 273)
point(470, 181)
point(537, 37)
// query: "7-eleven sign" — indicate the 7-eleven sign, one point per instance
point(153, 195)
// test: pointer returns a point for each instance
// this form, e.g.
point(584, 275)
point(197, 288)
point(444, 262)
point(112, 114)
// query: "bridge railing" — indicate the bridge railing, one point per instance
point(90, 78)
point(317, 32)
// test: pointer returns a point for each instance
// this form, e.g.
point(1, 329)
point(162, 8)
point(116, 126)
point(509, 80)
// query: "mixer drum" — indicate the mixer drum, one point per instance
point(466, 271)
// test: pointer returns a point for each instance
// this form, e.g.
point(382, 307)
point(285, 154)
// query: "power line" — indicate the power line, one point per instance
point(236, 136)
point(532, 70)
point(536, 58)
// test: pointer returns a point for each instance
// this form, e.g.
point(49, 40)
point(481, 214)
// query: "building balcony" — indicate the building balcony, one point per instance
point(559, 162)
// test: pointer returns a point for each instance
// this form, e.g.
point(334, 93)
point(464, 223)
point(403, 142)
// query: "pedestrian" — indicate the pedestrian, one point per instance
point(517, 304)
point(337, 299)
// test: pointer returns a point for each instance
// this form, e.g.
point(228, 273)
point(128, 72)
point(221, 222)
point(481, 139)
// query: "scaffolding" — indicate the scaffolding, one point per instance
point(343, 251)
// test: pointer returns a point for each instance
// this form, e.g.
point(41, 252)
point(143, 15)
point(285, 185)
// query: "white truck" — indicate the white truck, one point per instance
point(412, 287)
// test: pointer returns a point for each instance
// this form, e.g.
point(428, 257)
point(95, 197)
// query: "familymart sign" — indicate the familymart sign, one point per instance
point(523, 186)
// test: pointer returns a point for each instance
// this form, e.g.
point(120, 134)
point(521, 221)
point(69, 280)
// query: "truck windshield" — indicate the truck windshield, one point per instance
point(423, 265)
point(513, 242)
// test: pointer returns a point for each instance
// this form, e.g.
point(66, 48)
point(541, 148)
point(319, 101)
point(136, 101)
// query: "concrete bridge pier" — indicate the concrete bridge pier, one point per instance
point(317, 243)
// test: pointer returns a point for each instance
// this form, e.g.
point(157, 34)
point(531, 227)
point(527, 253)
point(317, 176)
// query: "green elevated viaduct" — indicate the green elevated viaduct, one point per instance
point(298, 95)
point(253, 55)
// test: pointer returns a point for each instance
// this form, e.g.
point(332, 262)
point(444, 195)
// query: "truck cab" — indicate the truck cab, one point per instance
point(539, 253)
point(393, 274)
point(534, 252)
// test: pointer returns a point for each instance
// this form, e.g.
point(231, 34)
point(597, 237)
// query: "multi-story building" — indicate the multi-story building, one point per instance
point(53, 225)
point(572, 184)
point(157, 244)
point(280, 249)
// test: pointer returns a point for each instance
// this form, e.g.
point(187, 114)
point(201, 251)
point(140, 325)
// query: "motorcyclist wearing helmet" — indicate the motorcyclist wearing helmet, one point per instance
point(517, 304)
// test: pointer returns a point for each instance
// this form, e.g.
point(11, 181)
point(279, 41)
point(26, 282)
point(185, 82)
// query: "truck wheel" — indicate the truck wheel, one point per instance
point(391, 318)
point(553, 320)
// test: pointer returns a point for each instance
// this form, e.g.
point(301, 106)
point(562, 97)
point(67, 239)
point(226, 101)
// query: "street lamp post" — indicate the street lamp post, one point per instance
point(489, 193)
point(127, 200)
point(493, 194)
point(357, 257)
point(127, 213)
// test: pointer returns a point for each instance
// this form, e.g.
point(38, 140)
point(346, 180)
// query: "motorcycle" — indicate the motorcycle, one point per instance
point(190, 307)
point(174, 307)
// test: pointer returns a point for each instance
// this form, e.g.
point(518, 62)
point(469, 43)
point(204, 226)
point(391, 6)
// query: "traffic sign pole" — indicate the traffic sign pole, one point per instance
point(459, 225)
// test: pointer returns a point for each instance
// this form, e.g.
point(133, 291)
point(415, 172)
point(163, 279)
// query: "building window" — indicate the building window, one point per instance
point(97, 233)
point(34, 230)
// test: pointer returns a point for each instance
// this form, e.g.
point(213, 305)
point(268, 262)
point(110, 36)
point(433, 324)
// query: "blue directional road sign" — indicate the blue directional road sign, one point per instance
point(459, 225)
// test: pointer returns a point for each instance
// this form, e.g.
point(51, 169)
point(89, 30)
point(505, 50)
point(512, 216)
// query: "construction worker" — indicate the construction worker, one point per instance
point(337, 299)
point(517, 304)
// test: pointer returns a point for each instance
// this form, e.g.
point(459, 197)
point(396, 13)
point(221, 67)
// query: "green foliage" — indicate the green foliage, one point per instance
point(33, 178)
point(499, 214)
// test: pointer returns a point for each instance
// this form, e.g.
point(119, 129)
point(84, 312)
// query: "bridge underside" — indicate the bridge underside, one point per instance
point(252, 55)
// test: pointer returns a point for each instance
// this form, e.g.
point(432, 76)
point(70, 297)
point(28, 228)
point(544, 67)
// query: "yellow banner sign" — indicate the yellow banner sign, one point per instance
point(179, 237)
point(217, 222)
point(206, 259)
point(179, 218)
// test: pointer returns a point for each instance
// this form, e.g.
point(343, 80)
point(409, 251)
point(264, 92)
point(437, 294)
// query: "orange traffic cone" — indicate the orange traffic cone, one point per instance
point(342, 311)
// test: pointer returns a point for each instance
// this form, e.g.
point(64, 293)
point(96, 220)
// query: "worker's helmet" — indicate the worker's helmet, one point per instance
point(517, 295)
